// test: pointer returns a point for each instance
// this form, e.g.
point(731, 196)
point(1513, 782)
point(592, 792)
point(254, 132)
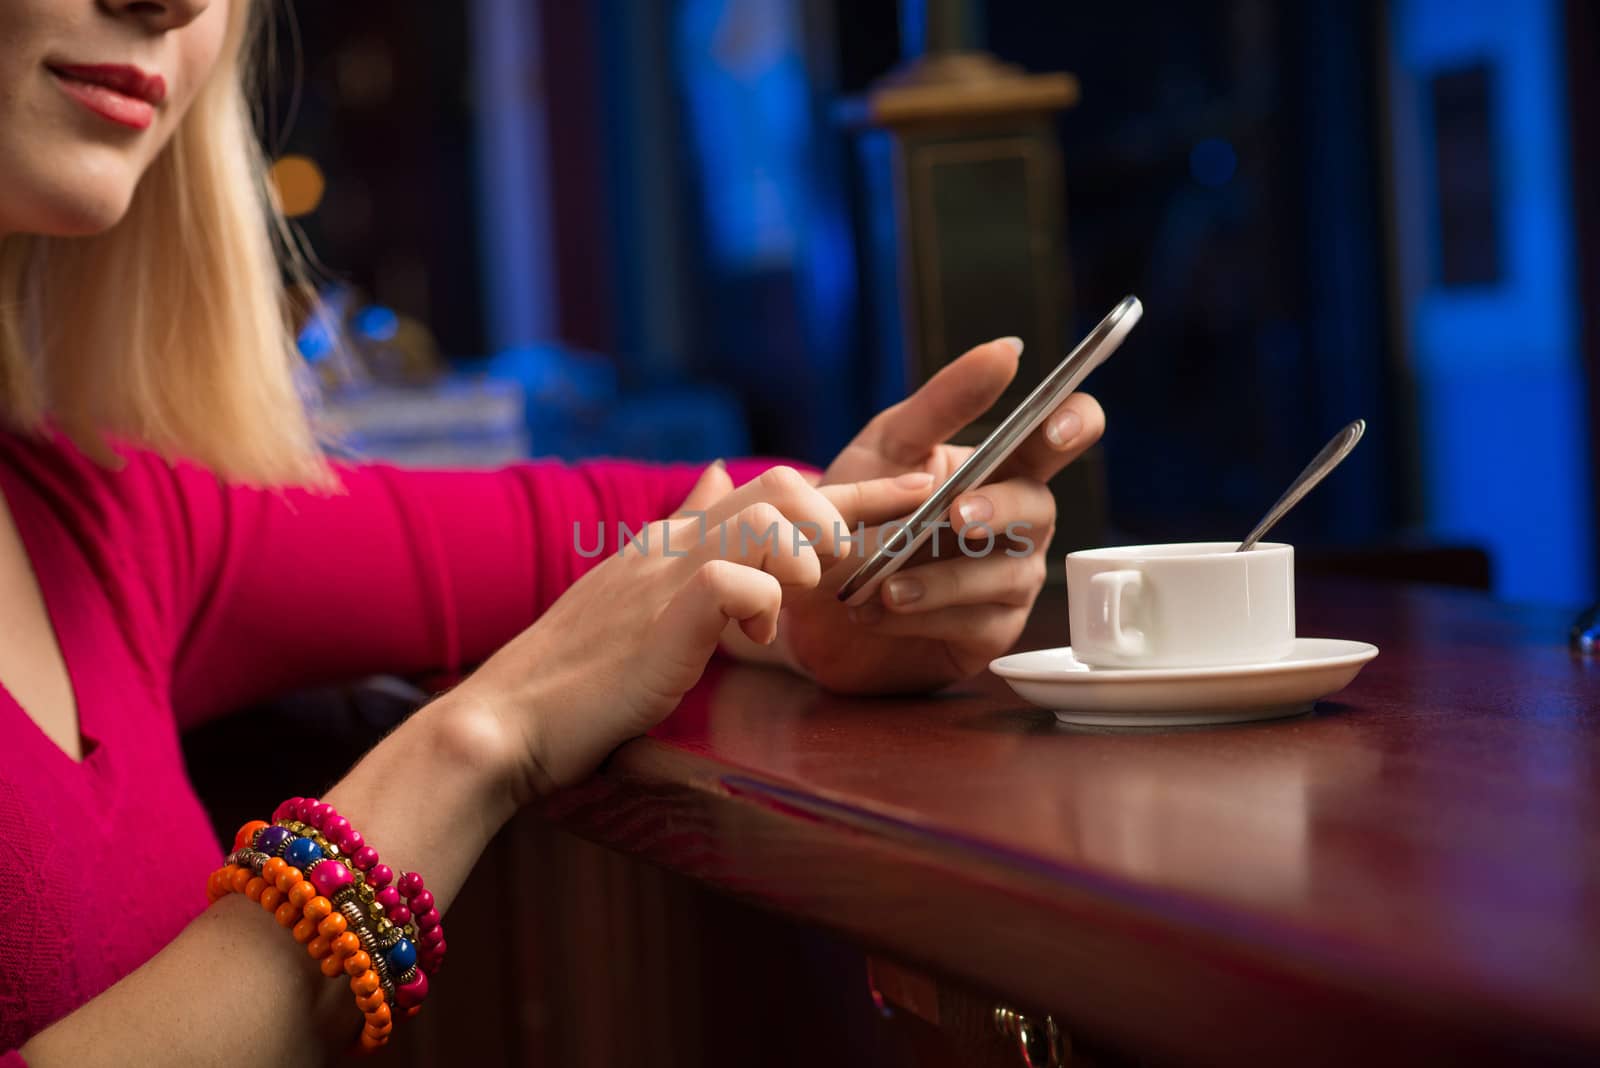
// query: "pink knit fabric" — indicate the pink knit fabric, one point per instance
point(175, 598)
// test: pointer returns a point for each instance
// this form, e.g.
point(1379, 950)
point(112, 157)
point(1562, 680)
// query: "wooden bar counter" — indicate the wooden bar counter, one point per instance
point(1409, 874)
point(777, 876)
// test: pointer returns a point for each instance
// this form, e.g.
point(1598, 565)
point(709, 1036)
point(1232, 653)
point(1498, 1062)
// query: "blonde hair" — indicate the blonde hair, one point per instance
point(170, 329)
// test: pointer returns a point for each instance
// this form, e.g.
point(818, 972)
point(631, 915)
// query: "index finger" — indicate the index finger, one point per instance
point(827, 513)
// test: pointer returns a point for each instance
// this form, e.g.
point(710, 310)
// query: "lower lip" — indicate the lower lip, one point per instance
point(109, 104)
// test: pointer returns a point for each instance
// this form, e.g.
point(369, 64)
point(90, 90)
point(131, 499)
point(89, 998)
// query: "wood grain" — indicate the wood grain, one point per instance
point(1411, 872)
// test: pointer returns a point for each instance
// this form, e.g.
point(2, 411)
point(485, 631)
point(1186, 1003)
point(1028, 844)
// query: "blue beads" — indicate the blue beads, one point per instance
point(402, 955)
point(302, 853)
point(270, 840)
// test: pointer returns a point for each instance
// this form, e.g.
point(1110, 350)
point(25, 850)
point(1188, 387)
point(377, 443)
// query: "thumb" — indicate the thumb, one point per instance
point(946, 403)
point(714, 484)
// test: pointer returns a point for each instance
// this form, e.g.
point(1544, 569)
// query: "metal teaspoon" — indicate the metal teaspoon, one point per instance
point(1330, 457)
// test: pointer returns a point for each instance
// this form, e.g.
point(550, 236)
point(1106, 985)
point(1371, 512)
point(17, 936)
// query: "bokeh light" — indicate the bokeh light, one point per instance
point(299, 183)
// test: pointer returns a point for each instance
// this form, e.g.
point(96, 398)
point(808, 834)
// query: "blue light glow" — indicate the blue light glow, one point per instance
point(376, 323)
point(316, 341)
point(744, 81)
point(1497, 366)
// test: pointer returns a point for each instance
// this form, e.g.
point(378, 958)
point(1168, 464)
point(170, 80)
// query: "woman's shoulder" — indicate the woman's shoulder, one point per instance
point(140, 517)
point(115, 479)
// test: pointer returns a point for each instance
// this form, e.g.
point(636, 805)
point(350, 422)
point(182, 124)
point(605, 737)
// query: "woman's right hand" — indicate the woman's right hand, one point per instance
point(618, 650)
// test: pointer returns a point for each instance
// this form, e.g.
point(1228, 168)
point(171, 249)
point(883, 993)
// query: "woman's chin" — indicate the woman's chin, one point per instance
point(73, 202)
point(82, 216)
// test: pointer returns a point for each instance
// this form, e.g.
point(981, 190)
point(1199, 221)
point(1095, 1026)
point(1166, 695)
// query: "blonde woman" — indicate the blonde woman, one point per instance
point(173, 545)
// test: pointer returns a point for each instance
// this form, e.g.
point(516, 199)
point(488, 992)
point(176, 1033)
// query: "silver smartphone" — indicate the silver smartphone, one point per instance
point(915, 529)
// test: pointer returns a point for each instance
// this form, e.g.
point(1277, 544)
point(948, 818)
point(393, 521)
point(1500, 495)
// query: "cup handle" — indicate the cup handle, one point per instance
point(1105, 596)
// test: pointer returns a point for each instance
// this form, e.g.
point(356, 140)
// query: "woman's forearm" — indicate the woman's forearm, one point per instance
point(233, 988)
point(606, 662)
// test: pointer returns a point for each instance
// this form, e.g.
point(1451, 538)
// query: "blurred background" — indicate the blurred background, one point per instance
point(682, 229)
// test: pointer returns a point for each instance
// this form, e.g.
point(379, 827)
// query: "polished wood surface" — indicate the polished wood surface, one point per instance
point(1412, 871)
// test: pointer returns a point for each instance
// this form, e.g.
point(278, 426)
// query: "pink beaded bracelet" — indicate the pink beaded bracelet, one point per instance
point(418, 906)
point(403, 903)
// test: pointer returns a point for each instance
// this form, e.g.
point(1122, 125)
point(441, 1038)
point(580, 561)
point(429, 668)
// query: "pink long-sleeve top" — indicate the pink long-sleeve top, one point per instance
point(175, 597)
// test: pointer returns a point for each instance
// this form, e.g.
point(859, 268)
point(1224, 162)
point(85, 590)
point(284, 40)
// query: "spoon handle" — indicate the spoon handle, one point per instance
point(1326, 460)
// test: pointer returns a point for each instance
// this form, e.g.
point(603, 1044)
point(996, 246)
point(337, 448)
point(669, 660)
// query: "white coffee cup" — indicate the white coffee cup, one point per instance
point(1185, 605)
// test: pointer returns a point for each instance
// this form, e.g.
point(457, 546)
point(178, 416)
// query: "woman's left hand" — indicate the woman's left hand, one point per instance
point(941, 619)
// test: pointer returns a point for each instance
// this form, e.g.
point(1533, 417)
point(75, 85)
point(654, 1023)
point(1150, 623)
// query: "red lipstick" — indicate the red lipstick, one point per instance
point(124, 95)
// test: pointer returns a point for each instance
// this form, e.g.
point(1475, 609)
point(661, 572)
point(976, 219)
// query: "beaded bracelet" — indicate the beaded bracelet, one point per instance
point(325, 932)
point(317, 876)
point(393, 955)
point(334, 837)
point(382, 903)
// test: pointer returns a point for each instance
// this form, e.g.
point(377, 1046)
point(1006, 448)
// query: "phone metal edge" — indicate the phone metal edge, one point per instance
point(996, 447)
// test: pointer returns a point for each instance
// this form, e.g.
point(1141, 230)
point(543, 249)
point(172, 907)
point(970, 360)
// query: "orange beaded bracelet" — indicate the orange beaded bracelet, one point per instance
point(316, 923)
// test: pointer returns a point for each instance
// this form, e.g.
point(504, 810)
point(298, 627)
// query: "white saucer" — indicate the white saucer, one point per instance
point(1172, 697)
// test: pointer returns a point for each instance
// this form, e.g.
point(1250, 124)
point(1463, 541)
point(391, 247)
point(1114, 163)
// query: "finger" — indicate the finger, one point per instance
point(878, 500)
point(760, 536)
point(995, 626)
point(863, 543)
point(1022, 513)
point(1017, 509)
point(962, 391)
point(713, 484)
point(996, 579)
point(1066, 434)
point(799, 501)
point(714, 593)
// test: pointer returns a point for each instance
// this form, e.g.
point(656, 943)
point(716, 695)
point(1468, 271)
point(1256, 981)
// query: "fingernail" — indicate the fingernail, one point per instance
point(974, 510)
point(914, 480)
point(1063, 428)
point(904, 590)
point(868, 613)
point(1014, 342)
point(719, 462)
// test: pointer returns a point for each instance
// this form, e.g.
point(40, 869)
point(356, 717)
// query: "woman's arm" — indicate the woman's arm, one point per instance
point(233, 988)
point(401, 571)
point(609, 660)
